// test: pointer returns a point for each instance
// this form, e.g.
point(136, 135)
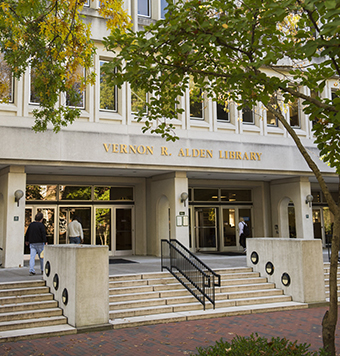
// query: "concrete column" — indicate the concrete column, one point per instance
point(300, 259)
point(164, 204)
point(296, 190)
point(83, 271)
point(12, 217)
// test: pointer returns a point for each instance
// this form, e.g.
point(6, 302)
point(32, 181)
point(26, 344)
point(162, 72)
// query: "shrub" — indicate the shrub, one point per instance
point(258, 346)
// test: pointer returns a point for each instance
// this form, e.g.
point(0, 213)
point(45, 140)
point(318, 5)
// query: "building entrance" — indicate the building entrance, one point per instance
point(216, 228)
point(102, 225)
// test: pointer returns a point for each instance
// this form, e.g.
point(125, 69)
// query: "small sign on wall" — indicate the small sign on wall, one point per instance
point(16, 218)
point(182, 220)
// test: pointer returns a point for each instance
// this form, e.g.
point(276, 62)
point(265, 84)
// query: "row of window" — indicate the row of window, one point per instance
point(139, 98)
point(70, 192)
point(219, 195)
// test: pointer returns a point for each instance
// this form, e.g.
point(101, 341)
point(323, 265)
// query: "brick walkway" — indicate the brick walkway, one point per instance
point(178, 338)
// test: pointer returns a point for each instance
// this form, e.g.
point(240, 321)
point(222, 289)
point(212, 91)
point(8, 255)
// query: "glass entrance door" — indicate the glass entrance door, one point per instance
point(114, 228)
point(230, 231)
point(103, 225)
point(48, 221)
point(206, 229)
point(123, 230)
point(229, 227)
point(65, 216)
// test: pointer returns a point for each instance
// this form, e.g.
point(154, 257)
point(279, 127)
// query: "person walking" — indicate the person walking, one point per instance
point(242, 226)
point(35, 237)
point(75, 231)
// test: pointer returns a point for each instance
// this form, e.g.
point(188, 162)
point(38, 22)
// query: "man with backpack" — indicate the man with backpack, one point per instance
point(244, 232)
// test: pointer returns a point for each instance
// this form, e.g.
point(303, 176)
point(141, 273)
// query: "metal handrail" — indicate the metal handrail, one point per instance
point(198, 261)
point(190, 271)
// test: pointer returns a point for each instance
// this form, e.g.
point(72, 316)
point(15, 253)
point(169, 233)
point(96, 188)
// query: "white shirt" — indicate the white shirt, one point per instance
point(240, 228)
point(75, 229)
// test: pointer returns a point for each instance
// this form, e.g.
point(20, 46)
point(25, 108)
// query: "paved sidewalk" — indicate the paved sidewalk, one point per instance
point(142, 264)
point(178, 338)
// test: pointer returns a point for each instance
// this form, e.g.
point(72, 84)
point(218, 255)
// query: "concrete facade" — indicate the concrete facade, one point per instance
point(230, 169)
point(84, 272)
point(301, 259)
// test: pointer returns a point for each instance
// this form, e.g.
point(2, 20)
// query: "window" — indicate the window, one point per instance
point(205, 194)
point(87, 3)
point(108, 93)
point(67, 192)
point(144, 8)
point(76, 97)
point(34, 97)
point(113, 193)
point(6, 79)
point(236, 195)
point(41, 192)
point(272, 120)
point(139, 99)
point(223, 112)
point(294, 113)
point(247, 115)
point(164, 4)
point(196, 101)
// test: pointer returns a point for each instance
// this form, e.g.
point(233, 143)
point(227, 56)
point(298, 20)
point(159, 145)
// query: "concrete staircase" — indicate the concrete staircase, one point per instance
point(152, 298)
point(326, 272)
point(28, 310)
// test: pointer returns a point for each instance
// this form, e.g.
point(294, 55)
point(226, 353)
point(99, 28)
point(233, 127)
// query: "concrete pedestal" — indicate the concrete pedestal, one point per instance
point(299, 259)
point(81, 272)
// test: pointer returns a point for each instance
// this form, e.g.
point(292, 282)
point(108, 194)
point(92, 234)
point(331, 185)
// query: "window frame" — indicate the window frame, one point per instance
point(115, 110)
point(148, 3)
point(83, 96)
point(251, 110)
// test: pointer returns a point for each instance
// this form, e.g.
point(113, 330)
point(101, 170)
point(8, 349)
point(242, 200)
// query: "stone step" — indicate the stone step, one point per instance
point(25, 298)
point(134, 321)
point(222, 271)
point(124, 313)
point(133, 296)
point(37, 332)
point(128, 290)
point(28, 314)
point(142, 282)
point(133, 310)
point(245, 287)
point(32, 323)
point(23, 291)
point(249, 294)
point(153, 275)
point(25, 284)
point(243, 281)
point(130, 283)
point(137, 303)
point(28, 306)
point(228, 276)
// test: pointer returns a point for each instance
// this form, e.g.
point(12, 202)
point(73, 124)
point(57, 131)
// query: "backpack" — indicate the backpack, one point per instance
point(246, 231)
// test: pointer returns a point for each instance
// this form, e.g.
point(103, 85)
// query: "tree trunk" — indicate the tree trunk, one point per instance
point(331, 316)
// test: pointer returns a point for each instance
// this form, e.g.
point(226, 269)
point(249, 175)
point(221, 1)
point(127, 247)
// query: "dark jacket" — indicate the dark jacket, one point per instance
point(36, 232)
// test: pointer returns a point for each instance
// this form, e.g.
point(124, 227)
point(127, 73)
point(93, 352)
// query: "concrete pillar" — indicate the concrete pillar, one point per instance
point(164, 205)
point(83, 271)
point(300, 259)
point(12, 216)
point(296, 190)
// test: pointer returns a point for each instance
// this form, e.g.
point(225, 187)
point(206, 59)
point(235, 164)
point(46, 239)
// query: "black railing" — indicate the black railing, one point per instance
point(196, 276)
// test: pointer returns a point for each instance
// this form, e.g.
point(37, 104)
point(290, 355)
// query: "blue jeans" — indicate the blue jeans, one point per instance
point(36, 248)
point(75, 240)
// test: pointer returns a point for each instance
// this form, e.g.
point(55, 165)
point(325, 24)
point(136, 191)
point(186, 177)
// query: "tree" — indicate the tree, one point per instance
point(246, 51)
point(51, 38)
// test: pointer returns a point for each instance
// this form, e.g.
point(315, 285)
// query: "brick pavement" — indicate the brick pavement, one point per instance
point(178, 338)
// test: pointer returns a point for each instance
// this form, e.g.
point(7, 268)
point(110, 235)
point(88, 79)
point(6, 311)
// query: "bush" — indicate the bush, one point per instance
point(258, 346)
